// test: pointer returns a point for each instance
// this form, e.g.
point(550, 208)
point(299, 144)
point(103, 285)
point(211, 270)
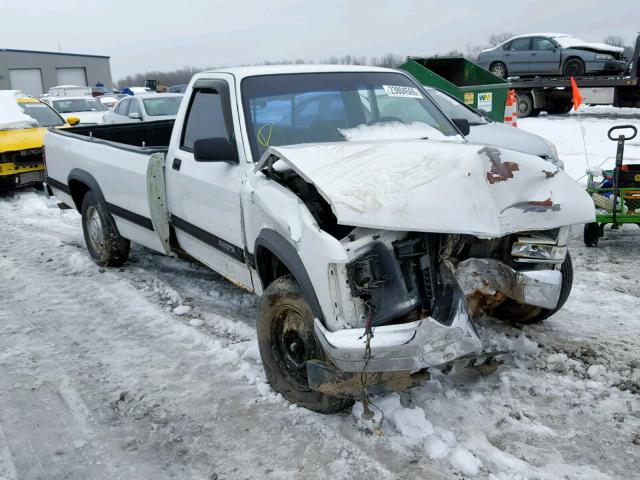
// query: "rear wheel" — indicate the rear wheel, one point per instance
point(105, 245)
point(573, 67)
point(515, 312)
point(286, 341)
point(559, 107)
point(499, 69)
point(525, 106)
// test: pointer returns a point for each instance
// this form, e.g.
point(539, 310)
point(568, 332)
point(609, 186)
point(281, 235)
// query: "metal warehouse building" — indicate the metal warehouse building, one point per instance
point(35, 72)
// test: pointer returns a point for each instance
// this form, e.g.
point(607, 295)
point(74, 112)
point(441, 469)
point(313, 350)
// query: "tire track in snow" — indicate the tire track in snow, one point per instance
point(74, 283)
point(7, 466)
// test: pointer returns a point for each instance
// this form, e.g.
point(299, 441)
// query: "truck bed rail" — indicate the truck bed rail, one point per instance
point(143, 137)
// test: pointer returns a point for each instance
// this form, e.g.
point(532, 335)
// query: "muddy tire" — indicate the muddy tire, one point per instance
point(105, 245)
point(286, 341)
point(514, 312)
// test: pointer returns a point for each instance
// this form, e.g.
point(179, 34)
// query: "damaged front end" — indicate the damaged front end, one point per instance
point(432, 235)
point(410, 299)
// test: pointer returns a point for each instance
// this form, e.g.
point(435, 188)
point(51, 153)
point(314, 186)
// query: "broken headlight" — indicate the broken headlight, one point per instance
point(538, 253)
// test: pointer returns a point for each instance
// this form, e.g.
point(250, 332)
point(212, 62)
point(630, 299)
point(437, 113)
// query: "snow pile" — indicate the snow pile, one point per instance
point(413, 429)
point(11, 115)
point(181, 310)
point(391, 131)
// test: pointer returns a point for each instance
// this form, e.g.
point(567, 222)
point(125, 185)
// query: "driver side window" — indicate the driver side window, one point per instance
point(123, 107)
point(133, 107)
point(205, 118)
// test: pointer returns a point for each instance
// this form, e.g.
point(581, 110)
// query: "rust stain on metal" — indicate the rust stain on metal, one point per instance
point(501, 172)
point(541, 203)
point(549, 174)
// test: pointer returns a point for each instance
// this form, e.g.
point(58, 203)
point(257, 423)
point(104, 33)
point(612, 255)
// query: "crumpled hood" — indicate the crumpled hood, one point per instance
point(501, 134)
point(433, 186)
point(571, 42)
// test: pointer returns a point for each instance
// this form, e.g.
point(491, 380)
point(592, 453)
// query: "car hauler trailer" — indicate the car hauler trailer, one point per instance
point(553, 94)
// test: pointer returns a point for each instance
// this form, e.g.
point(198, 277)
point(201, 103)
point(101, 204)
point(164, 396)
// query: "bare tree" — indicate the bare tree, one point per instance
point(615, 40)
point(173, 77)
point(183, 75)
point(498, 38)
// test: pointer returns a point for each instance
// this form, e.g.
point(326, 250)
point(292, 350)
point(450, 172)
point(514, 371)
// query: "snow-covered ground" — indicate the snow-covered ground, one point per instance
point(152, 371)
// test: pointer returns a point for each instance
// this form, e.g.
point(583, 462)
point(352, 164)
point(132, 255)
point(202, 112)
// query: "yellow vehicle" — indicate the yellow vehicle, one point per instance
point(23, 123)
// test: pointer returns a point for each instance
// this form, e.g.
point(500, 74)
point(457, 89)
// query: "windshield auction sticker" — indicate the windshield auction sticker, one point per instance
point(398, 91)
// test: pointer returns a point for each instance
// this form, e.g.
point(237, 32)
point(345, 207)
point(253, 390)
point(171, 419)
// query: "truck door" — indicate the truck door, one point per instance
point(517, 54)
point(545, 56)
point(203, 197)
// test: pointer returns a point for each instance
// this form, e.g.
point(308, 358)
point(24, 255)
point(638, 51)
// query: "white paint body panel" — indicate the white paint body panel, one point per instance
point(432, 186)
point(121, 175)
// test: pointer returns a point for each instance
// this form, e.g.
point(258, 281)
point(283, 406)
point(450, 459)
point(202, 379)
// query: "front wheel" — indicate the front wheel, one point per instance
point(515, 312)
point(286, 341)
point(574, 67)
point(105, 245)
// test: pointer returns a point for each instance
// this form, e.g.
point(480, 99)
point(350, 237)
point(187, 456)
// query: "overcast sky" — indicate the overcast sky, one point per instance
point(141, 36)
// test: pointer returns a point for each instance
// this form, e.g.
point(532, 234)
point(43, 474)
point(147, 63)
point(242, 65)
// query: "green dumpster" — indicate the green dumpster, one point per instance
point(463, 79)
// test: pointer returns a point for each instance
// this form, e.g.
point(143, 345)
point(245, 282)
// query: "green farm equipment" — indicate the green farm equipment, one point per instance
point(617, 195)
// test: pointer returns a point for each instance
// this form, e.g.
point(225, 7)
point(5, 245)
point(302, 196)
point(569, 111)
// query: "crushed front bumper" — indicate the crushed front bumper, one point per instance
point(407, 346)
point(487, 278)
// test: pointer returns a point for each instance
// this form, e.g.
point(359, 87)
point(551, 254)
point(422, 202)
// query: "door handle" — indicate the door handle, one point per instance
point(176, 164)
point(534, 54)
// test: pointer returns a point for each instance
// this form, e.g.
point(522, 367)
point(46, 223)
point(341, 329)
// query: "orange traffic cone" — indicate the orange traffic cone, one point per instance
point(511, 109)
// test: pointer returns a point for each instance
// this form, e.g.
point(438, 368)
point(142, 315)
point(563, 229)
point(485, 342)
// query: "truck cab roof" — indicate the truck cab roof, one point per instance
point(243, 72)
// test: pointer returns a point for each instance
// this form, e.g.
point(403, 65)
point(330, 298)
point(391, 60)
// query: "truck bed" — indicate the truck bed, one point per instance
point(146, 137)
point(113, 160)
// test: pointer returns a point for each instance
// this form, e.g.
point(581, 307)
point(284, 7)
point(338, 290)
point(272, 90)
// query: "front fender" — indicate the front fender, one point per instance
point(276, 219)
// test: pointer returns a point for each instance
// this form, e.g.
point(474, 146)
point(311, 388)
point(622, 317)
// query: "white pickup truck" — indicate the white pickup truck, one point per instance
point(343, 196)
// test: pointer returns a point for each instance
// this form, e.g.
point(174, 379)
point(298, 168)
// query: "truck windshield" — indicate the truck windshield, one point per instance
point(290, 109)
point(78, 105)
point(41, 113)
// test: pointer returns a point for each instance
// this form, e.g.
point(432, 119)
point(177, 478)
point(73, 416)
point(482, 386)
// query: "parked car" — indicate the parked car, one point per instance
point(551, 54)
point(23, 121)
point(88, 109)
point(137, 90)
point(69, 91)
point(177, 88)
point(485, 131)
point(108, 101)
point(372, 232)
point(145, 107)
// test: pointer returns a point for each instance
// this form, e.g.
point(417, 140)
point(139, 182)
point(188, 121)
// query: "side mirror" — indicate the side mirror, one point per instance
point(73, 121)
point(462, 124)
point(217, 149)
point(135, 116)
